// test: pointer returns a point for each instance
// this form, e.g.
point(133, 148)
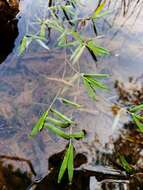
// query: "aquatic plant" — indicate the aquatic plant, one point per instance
point(69, 27)
point(70, 37)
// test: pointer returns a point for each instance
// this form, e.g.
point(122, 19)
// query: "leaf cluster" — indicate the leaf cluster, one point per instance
point(136, 113)
point(63, 19)
point(56, 124)
point(128, 168)
point(68, 163)
point(92, 82)
point(69, 36)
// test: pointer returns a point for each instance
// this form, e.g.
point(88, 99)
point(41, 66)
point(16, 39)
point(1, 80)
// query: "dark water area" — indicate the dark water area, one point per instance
point(28, 84)
point(8, 27)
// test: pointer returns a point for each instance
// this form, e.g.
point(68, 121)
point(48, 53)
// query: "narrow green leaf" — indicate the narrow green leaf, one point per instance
point(99, 9)
point(39, 125)
point(96, 75)
point(102, 14)
point(68, 44)
point(136, 108)
point(76, 35)
point(90, 91)
point(97, 50)
point(102, 51)
point(71, 163)
point(54, 24)
point(58, 122)
point(23, 45)
point(62, 39)
point(77, 136)
point(64, 135)
point(138, 122)
point(139, 117)
point(70, 11)
point(61, 116)
point(70, 103)
point(77, 53)
point(57, 131)
point(125, 164)
point(64, 164)
point(96, 84)
point(42, 33)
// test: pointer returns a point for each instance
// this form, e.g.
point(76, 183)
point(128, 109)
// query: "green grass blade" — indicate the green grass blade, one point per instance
point(76, 35)
point(125, 164)
point(102, 51)
point(70, 103)
point(64, 135)
point(62, 39)
point(69, 44)
point(54, 24)
point(77, 53)
point(97, 50)
point(71, 163)
point(57, 122)
point(64, 164)
point(102, 14)
point(57, 131)
point(61, 116)
point(138, 122)
point(23, 45)
point(96, 75)
point(139, 117)
point(39, 125)
point(90, 90)
point(77, 136)
point(42, 33)
point(98, 10)
point(136, 108)
point(97, 84)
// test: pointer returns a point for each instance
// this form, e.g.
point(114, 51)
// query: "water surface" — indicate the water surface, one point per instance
point(25, 92)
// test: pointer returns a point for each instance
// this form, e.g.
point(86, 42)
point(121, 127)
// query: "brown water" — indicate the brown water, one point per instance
point(26, 91)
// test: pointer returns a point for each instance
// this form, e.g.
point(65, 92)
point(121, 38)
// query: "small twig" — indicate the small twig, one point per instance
point(59, 80)
point(72, 67)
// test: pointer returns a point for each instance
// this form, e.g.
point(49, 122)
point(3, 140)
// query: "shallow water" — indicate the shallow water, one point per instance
point(25, 92)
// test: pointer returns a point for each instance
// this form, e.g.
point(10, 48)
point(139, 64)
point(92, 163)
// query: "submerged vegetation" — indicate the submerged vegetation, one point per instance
point(65, 20)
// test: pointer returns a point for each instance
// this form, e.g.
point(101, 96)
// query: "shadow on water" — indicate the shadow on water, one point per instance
point(27, 88)
point(8, 27)
point(95, 177)
point(11, 177)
